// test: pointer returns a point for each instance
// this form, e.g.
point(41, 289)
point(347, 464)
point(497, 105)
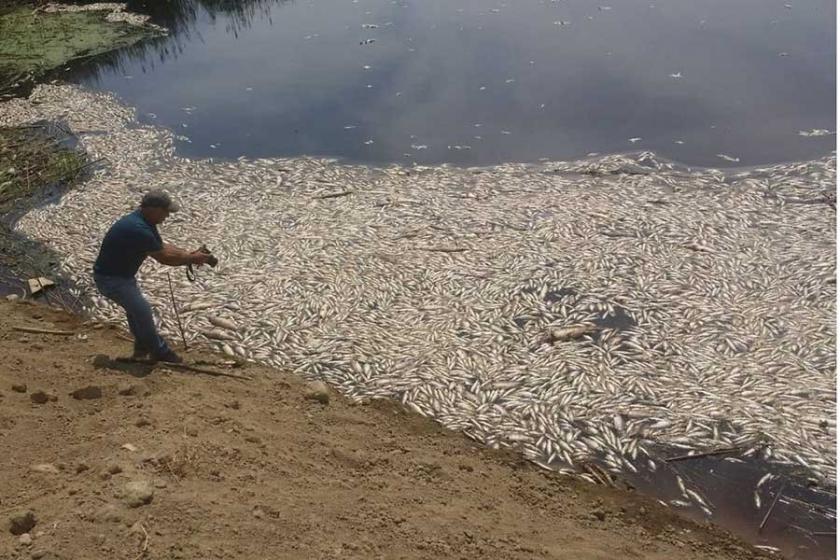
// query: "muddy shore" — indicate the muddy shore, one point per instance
point(256, 469)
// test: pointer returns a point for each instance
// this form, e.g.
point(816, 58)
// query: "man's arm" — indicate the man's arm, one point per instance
point(175, 256)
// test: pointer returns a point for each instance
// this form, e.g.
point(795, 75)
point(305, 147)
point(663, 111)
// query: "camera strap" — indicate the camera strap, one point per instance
point(190, 273)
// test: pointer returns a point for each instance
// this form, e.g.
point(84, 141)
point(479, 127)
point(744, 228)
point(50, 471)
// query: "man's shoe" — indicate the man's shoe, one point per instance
point(169, 357)
point(140, 355)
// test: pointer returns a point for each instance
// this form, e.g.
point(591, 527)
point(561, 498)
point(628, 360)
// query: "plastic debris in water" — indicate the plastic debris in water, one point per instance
point(728, 158)
point(349, 127)
point(367, 41)
point(419, 147)
point(676, 75)
point(366, 67)
point(562, 23)
point(815, 132)
point(679, 142)
point(633, 140)
point(506, 132)
point(369, 26)
point(368, 142)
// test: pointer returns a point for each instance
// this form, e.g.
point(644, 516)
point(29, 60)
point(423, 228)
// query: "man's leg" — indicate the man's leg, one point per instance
point(126, 293)
point(140, 312)
point(140, 351)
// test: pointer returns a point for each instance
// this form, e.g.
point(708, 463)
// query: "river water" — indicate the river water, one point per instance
point(706, 82)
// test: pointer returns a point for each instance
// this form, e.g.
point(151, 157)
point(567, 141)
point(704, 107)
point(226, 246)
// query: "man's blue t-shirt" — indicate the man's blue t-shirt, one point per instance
point(126, 245)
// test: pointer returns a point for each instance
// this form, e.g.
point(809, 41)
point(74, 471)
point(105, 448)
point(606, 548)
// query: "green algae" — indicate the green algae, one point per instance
point(32, 43)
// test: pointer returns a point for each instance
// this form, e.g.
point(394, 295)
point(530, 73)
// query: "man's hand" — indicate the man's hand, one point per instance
point(199, 257)
point(174, 256)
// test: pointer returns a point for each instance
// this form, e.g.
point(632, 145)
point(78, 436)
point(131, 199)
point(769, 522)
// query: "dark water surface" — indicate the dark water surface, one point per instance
point(481, 82)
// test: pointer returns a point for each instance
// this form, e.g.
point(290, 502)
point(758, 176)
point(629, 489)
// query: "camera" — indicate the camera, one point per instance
point(212, 261)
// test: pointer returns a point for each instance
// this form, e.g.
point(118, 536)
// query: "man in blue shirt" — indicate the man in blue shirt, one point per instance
point(128, 242)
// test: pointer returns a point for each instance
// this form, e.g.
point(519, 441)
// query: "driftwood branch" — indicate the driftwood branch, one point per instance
point(711, 453)
point(185, 367)
point(334, 195)
point(444, 249)
point(772, 507)
point(42, 331)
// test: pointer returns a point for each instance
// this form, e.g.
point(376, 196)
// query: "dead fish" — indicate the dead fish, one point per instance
point(223, 323)
point(217, 334)
point(563, 334)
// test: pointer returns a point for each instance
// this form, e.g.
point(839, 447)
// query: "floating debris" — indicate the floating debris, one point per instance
point(729, 158)
point(816, 132)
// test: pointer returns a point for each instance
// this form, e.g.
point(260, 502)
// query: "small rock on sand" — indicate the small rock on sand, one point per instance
point(22, 522)
point(86, 393)
point(137, 493)
point(318, 391)
point(46, 468)
point(109, 513)
point(127, 389)
point(25, 539)
point(19, 387)
point(42, 397)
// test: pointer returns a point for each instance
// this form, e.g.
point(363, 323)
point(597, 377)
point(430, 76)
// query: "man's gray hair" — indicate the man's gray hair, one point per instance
point(159, 198)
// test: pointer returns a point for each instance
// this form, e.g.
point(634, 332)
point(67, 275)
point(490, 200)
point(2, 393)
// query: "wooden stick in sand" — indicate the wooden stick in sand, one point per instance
point(772, 506)
point(35, 330)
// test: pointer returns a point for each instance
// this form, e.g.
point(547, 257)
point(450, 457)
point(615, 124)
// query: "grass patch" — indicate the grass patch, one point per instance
point(32, 42)
point(34, 162)
point(31, 159)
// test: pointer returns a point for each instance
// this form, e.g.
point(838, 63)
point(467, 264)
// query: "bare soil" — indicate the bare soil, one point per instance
point(253, 469)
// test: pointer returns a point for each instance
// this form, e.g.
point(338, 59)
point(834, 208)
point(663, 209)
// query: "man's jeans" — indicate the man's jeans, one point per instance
point(125, 293)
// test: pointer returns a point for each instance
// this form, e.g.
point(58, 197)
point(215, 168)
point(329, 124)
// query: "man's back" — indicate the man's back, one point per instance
point(126, 245)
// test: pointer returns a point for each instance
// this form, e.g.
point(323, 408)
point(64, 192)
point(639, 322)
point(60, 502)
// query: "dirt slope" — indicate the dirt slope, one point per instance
point(256, 470)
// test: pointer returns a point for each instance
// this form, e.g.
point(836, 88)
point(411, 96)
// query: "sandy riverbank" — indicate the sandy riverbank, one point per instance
point(254, 469)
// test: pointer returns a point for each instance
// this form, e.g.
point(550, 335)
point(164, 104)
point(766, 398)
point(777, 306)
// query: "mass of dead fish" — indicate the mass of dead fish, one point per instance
point(576, 311)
